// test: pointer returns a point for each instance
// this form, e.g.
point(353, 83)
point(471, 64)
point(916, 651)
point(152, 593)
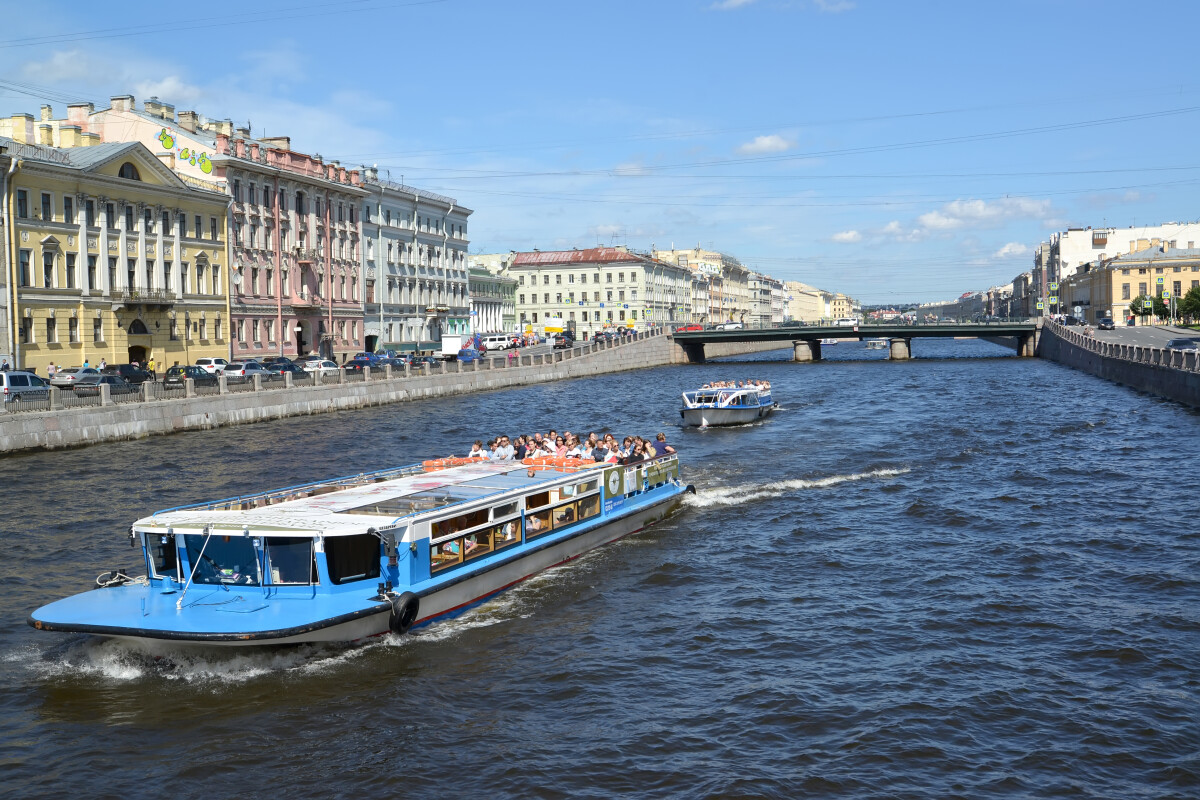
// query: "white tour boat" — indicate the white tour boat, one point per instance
point(347, 558)
point(729, 406)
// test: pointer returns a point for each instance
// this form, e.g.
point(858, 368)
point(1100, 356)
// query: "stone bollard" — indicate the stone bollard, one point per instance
point(105, 394)
point(387, 372)
point(475, 365)
point(55, 398)
point(407, 370)
point(189, 387)
point(287, 380)
point(341, 375)
point(257, 382)
point(148, 391)
point(427, 369)
point(366, 374)
point(222, 384)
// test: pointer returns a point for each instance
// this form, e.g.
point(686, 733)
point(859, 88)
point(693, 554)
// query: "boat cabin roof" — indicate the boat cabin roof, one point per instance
point(350, 505)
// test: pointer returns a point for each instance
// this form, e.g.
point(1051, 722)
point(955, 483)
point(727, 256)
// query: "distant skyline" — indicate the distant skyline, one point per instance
point(896, 152)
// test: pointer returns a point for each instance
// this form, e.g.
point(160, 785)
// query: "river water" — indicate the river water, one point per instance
point(965, 575)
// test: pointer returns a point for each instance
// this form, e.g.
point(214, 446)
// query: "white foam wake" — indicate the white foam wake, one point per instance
point(737, 495)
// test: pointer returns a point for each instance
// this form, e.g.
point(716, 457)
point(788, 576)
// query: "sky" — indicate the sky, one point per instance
point(894, 150)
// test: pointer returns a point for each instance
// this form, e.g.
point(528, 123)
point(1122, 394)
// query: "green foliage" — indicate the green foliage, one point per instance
point(1189, 305)
point(1139, 307)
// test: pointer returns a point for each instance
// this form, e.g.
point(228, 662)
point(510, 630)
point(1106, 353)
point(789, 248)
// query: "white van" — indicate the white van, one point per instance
point(17, 386)
point(846, 322)
point(496, 341)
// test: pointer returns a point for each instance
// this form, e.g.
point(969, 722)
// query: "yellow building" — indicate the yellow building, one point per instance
point(112, 256)
point(1106, 288)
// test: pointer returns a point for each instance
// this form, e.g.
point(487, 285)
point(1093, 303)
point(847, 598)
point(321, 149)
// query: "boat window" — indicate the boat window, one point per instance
point(352, 558)
point(506, 510)
point(506, 534)
point(291, 560)
point(227, 559)
point(536, 524)
point(163, 558)
point(462, 522)
point(589, 506)
point(446, 554)
point(537, 500)
point(564, 516)
point(588, 486)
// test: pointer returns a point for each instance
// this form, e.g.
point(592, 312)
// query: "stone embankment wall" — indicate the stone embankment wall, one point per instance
point(73, 427)
point(1173, 374)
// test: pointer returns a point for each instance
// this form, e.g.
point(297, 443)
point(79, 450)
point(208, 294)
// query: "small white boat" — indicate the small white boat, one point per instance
point(730, 406)
point(877, 344)
point(826, 342)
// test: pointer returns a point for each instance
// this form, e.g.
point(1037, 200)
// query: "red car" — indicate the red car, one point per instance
point(687, 328)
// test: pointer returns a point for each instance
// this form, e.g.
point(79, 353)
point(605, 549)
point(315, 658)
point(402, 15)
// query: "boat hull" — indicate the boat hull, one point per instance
point(714, 417)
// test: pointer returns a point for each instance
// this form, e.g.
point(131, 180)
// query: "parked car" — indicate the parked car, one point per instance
point(469, 354)
point(420, 361)
point(66, 378)
point(130, 373)
point(1184, 343)
point(212, 366)
point(564, 340)
point(1107, 324)
point(357, 364)
point(364, 355)
point(23, 386)
point(689, 328)
point(271, 361)
point(244, 372)
point(116, 385)
point(1073, 320)
point(737, 326)
point(175, 377)
point(281, 367)
point(322, 367)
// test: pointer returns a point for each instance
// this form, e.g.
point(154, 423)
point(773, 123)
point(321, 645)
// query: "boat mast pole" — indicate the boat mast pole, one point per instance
point(207, 536)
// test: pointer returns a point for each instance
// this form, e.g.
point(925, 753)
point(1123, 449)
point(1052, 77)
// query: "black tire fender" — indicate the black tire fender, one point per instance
point(405, 608)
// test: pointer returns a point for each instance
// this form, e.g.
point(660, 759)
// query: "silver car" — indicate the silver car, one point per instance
point(321, 368)
point(17, 386)
point(67, 378)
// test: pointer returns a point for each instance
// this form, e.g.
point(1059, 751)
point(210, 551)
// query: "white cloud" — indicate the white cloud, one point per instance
point(1011, 249)
point(765, 144)
point(980, 213)
point(833, 6)
point(847, 237)
point(729, 5)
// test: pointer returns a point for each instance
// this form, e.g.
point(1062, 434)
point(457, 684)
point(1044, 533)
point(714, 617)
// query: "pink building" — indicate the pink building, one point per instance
point(294, 253)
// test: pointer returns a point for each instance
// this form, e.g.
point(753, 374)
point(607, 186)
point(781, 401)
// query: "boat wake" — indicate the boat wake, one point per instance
point(737, 495)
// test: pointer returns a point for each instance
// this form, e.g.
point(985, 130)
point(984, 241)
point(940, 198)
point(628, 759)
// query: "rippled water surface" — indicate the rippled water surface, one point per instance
point(966, 575)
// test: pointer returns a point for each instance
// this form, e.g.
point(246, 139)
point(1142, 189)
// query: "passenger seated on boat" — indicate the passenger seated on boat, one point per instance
point(565, 516)
point(470, 544)
point(661, 445)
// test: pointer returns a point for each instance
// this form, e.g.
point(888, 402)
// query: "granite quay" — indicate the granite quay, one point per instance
point(63, 421)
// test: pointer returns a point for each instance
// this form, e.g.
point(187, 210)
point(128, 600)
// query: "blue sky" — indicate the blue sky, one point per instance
point(895, 151)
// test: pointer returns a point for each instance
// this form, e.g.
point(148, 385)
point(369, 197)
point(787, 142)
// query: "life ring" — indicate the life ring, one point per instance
point(404, 612)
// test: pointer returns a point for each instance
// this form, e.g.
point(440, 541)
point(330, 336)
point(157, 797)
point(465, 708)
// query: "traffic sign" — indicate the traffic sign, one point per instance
point(1053, 299)
point(1040, 305)
point(1166, 293)
point(1054, 287)
point(1159, 280)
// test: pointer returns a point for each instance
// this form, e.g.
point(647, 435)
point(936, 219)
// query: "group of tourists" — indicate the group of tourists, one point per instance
point(592, 447)
point(750, 384)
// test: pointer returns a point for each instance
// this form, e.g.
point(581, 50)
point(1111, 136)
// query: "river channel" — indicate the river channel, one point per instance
point(964, 575)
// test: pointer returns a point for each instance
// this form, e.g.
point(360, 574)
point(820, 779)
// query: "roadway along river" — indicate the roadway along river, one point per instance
point(956, 576)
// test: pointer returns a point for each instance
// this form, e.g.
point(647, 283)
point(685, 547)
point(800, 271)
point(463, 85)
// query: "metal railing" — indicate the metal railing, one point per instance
point(1184, 360)
point(152, 391)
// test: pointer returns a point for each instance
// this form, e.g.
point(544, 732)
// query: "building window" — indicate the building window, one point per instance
point(91, 274)
point(90, 213)
point(47, 207)
point(51, 331)
point(97, 330)
point(1175, 288)
point(217, 329)
point(24, 278)
point(48, 270)
point(70, 270)
point(199, 279)
point(521, 281)
point(621, 296)
point(546, 298)
point(558, 297)
point(254, 280)
point(545, 280)
point(22, 204)
point(608, 277)
point(173, 330)
point(73, 330)
point(26, 330)
point(1141, 290)
point(129, 172)
point(212, 228)
point(633, 277)
point(128, 217)
point(270, 286)
point(166, 222)
point(522, 299)
point(237, 190)
point(68, 210)
point(110, 215)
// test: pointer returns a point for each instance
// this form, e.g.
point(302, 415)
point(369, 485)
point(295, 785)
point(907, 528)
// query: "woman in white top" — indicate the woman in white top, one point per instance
point(477, 450)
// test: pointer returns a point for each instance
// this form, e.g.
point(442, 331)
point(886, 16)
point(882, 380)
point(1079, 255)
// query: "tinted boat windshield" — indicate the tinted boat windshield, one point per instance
point(226, 559)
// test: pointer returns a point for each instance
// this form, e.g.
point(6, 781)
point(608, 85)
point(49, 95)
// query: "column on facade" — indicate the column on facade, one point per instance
point(122, 270)
point(81, 249)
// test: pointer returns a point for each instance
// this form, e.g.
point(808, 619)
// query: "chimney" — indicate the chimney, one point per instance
point(279, 142)
point(22, 128)
point(87, 139)
point(121, 102)
point(78, 112)
point(167, 159)
point(46, 133)
point(243, 132)
point(68, 136)
point(161, 110)
point(47, 113)
point(224, 127)
point(187, 121)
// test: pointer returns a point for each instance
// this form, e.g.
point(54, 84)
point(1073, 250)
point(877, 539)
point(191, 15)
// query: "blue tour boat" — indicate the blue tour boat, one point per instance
point(726, 406)
point(353, 557)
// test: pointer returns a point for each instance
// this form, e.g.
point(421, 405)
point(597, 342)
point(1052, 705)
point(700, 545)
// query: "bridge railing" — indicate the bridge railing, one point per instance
point(868, 323)
point(1185, 360)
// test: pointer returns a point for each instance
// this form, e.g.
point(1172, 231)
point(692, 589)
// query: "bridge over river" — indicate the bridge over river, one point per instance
point(806, 339)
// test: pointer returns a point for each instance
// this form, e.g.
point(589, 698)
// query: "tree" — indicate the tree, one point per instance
point(1189, 304)
point(1139, 307)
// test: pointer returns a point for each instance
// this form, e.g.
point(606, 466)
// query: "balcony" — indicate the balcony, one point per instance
point(307, 256)
point(147, 297)
point(306, 300)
